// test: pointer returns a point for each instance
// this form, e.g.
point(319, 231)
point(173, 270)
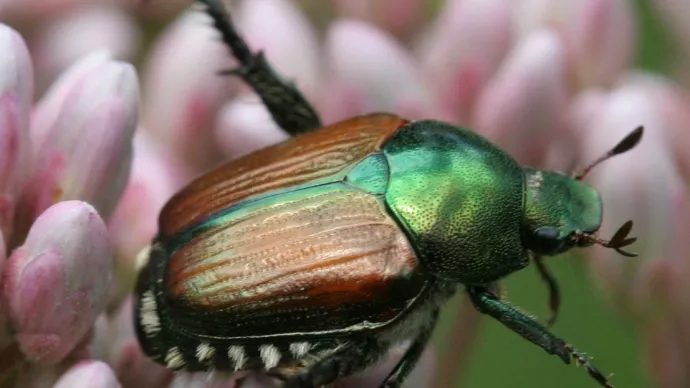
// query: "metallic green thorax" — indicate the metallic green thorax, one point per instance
point(556, 200)
point(460, 200)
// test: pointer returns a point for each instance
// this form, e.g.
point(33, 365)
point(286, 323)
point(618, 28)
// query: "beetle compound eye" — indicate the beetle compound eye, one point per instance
point(547, 233)
point(546, 240)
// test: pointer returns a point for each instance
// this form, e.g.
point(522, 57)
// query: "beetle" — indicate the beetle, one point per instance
point(311, 258)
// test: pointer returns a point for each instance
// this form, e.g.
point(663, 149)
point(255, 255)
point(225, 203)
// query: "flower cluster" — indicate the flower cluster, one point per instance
point(85, 168)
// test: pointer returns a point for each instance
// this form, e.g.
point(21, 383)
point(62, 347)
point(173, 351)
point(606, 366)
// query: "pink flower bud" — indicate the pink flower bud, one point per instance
point(641, 185)
point(33, 9)
point(396, 16)
point(660, 286)
point(156, 11)
point(132, 367)
point(524, 107)
point(48, 107)
point(88, 374)
point(3, 258)
point(645, 185)
point(599, 34)
point(214, 380)
point(374, 66)
point(466, 45)
point(422, 375)
point(154, 179)
point(244, 125)
point(663, 284)
point(283, 33)
point(4, 332)
point(16, 94)
point(344, 100)
point(96, 344)
point(585, 108)
point(673, 102)
point(65, 39)
point(667, 359)
point(602, 39)
point(56, 284)
point(184, 90)
point(83, 137)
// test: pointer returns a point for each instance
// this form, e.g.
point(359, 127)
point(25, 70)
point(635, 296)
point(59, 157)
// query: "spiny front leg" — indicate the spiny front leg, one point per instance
point(488, 303)
point(288, 107)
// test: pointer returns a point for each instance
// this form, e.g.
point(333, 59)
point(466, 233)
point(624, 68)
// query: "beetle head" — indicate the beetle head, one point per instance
point(557, 207)
point(562, 212)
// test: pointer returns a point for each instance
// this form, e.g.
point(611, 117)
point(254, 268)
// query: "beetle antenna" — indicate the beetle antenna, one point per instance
point(625, 145)
point(619, 240)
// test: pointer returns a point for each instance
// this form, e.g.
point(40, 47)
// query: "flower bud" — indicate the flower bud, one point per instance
point(82, 137)
point(245, 125)
point(184, 90)
point(4, 332)
point(283, 33)
point(602, 39)
point(16, 94)
point(373, 65)
point(599, 34)
point(63, 40)
point(460, 67)
point(154, 179)
point(642, 185)
point(524, 107)
point(88, 374)
point(673, 103)
point(213, 380)
point(399, 17)
point(132, 366)
point(56, 284)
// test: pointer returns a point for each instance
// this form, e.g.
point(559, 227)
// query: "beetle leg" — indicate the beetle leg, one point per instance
point(349, 358)
point(488, 303)
point(288, 107)
point(411, 357)
point(554, 293)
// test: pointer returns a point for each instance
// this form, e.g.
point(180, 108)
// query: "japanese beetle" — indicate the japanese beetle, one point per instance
point(309, 259)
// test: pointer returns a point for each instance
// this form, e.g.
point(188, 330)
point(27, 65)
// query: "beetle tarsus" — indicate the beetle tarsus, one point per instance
point(582, 359)
point(288, 107)
point(554, 292)
point(487, 303)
